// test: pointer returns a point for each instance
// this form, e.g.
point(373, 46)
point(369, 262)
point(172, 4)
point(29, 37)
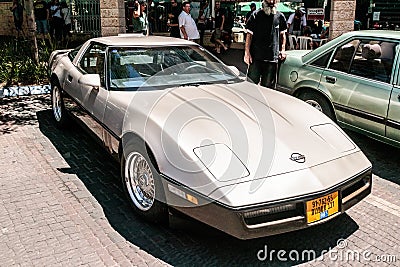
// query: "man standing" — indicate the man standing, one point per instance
point(57, 20)
point(187, 25)
point(265, 28)
point(139, 20)
point(297, 21)
point(17, 10)
point(173, 20)
point(219, 27)
point(41, 16)
point(202, 20)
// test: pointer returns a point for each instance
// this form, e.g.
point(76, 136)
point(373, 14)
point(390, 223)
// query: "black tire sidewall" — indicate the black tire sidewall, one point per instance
point(62, 123)
point(158, 211)
point(326, 109)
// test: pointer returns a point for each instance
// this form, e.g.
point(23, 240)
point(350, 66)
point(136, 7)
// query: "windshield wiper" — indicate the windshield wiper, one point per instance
point(195, 84)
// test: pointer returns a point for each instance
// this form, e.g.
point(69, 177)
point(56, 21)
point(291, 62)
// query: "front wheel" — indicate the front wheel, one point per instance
point(57, 102)
point(142, 183)
point(318, 102)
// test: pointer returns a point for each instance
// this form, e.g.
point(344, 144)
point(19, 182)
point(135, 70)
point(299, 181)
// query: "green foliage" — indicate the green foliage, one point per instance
point(18, 65)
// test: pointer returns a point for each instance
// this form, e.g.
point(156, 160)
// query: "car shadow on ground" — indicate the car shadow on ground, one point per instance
point(187, 242)
point(384, 158)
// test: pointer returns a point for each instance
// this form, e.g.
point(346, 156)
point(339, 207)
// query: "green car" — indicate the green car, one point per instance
point(353, 79)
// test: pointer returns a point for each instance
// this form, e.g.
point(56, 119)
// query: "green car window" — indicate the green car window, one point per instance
point(343, 56)
point(374, 60)
point(322, 62)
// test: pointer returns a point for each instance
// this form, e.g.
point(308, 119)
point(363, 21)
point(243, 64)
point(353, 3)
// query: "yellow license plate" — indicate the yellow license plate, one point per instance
point(323, 207)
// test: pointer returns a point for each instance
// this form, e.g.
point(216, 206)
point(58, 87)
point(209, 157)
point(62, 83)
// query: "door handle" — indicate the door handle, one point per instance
point(69, 78)
point(330, 79)
point(398, 96)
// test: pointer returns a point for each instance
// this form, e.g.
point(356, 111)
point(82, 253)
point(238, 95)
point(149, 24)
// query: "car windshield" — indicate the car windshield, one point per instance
point(131, 68)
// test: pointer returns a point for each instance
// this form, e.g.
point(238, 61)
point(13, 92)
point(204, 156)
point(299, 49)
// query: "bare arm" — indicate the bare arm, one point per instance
point(171, 16)
point(184, 32)
point(247, 56)
point(282, 54)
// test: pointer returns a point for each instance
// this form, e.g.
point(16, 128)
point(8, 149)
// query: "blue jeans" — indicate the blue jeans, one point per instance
point(263, 72)
point(41, 26)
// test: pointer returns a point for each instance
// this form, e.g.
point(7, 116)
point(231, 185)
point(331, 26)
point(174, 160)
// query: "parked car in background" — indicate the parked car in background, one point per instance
point(194, 137)
point(354, 79)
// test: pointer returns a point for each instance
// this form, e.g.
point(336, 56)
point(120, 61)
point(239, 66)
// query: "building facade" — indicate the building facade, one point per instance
point(111, 17)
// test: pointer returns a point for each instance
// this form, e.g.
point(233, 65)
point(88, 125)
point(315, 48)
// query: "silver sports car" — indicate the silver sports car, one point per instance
point(194, 137)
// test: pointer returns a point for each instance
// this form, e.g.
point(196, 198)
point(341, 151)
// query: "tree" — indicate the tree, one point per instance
point(31, 27)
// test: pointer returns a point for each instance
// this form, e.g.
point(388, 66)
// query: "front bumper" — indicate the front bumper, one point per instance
point(269, 218)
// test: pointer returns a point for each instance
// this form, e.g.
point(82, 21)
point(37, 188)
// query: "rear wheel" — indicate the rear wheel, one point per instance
point(142, 183)
point(318, 102)
point(57, 101)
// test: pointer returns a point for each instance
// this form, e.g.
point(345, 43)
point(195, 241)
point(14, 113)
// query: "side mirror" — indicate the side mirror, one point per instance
point(237, 72)
point(92, 80)
point(234, 70)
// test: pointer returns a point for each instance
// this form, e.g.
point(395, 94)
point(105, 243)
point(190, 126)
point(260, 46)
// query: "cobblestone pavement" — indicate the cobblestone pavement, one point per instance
point(61, 203)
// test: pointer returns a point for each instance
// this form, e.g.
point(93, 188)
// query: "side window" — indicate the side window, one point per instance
point(92, 62)
point(387, 57)
point(374, 60)
point(322, 62)
point(73, 53)
point(343, 56)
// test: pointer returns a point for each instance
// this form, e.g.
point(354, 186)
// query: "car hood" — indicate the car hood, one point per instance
point(297, 53)
point(213, 136)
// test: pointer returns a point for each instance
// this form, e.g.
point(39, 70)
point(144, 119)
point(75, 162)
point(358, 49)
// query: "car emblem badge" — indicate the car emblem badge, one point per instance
point(299, 158)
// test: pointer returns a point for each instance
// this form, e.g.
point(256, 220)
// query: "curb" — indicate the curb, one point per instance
point(24, 90)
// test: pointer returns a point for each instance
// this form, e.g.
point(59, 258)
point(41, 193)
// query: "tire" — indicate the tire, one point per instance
point(319, 102)
point(60, 114)
point(142, 183)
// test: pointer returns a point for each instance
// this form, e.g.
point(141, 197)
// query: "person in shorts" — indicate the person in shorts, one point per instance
point(219, 27)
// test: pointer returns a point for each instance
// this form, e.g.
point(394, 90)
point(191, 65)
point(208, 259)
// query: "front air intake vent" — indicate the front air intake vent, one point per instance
point(271, 214)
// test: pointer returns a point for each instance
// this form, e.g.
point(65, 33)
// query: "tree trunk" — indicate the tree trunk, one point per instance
point(31, 28)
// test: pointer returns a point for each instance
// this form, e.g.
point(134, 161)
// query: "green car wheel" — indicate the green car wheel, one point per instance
point(318, 102)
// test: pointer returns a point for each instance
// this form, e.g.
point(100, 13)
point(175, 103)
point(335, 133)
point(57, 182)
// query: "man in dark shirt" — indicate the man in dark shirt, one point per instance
point(173, 19)
point(17, 10)
point(219, 27)
point(41, 12)
point(265, 44)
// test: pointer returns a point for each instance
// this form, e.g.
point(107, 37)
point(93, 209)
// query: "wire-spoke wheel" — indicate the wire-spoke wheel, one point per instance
point(139, 181)
point(142, 183)
point(57, 102)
